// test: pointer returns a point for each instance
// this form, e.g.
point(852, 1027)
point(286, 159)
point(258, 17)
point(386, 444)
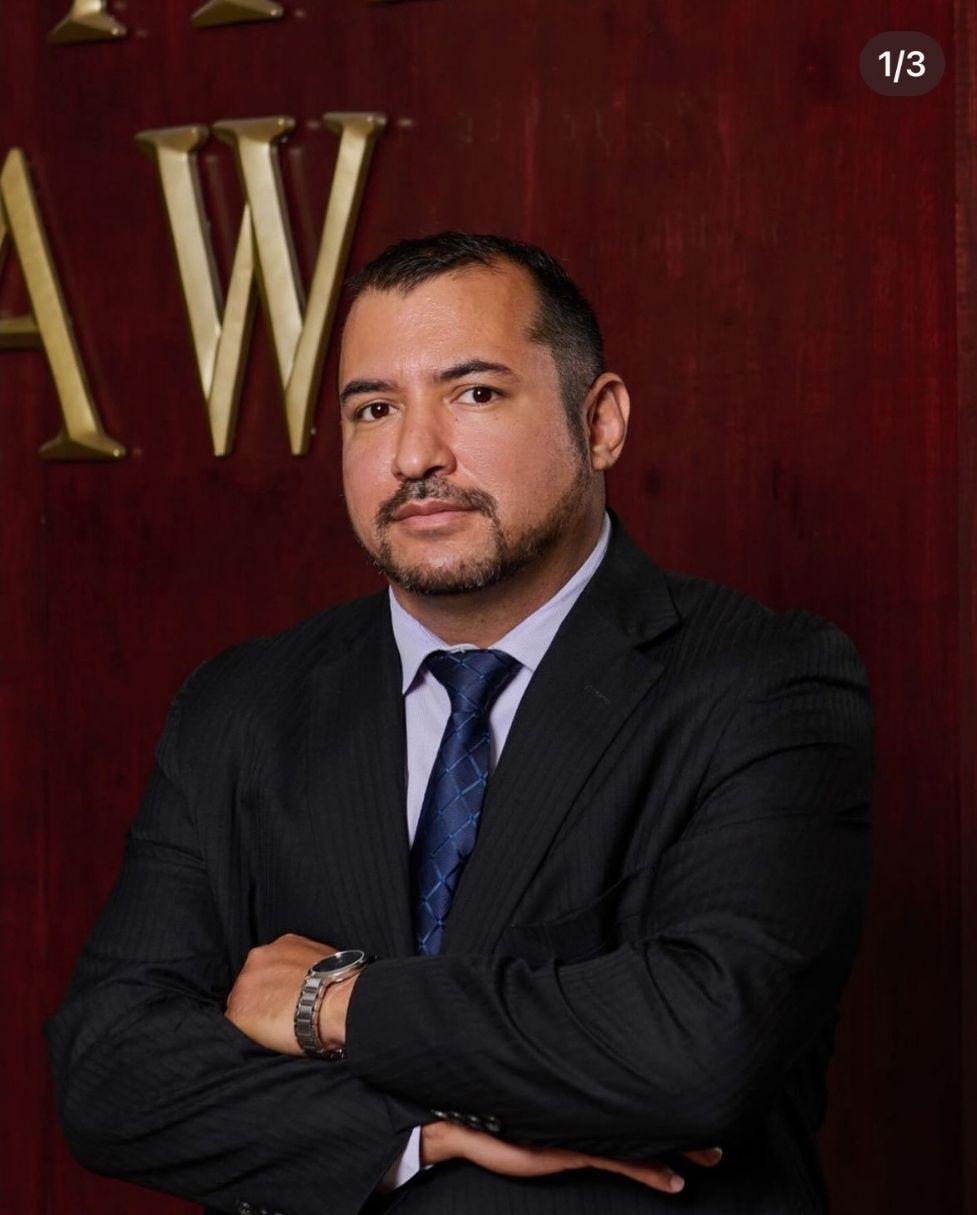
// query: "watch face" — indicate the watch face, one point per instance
point(339, 961)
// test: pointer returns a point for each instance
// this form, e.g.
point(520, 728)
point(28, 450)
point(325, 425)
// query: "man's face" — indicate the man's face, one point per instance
point(459, 467)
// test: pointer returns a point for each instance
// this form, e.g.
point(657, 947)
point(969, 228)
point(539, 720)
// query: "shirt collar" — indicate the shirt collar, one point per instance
point(527, 642)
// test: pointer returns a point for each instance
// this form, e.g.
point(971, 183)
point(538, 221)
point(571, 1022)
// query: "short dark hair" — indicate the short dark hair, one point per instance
point(564, 321)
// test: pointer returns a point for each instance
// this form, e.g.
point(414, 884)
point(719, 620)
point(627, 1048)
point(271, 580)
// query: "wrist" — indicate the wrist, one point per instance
point(332, 1013)
point(436, 1143)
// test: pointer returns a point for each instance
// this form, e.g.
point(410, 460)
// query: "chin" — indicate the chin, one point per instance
point(444, 578)
point(445, 574)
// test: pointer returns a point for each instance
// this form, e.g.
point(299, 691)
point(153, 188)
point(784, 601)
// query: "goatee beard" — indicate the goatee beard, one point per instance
point(509, 553)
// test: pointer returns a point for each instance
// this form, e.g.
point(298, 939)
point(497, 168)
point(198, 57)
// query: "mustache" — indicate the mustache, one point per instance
point(443, 491)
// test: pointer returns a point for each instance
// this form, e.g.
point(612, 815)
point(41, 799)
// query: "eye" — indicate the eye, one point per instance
point(480, 394)
point(373, 411)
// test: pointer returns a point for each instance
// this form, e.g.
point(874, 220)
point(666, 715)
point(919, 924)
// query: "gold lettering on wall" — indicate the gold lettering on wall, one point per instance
point(233, 12)
point(87, 21)
point(90, 21)
point(264, 256)
point(48, 325)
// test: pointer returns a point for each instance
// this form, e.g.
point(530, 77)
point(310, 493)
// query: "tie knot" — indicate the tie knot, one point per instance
point(473, 678)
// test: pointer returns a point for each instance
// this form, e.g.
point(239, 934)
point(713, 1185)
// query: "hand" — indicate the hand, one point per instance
point(262, 1001)
point(444, 1140)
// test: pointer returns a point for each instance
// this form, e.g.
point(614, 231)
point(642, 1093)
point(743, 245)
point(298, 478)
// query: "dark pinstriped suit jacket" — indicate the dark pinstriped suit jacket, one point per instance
point(645, 953)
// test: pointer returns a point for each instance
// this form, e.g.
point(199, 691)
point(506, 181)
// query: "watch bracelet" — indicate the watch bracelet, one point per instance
point(306, 1013)
point(310, 1003)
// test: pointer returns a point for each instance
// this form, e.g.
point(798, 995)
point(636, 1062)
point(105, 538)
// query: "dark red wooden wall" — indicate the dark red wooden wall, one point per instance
point(772, 250)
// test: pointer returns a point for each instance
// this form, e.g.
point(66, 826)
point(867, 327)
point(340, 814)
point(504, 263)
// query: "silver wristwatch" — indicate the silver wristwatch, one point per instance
point(334, 969)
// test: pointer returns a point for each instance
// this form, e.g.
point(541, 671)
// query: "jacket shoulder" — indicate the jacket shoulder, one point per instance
point(286, 656)
point(733, 632)
point(226, 698)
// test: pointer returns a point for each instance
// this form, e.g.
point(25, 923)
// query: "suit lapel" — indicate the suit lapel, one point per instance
point(356, 792)
point(595, 672)
point(597, 669)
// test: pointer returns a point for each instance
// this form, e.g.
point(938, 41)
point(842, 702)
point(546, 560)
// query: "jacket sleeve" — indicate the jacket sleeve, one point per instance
point(682, 1036)
point(154, 1085)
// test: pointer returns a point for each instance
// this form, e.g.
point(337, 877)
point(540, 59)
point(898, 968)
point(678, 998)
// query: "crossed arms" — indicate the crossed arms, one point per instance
point(669, 1042)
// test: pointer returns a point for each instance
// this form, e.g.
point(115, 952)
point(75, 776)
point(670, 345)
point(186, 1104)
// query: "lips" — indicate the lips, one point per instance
point(428, 506)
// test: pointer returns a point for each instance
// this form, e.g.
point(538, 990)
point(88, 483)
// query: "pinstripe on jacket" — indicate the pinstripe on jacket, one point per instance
point(645, 953)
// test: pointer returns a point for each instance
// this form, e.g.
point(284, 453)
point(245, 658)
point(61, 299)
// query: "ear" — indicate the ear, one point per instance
point(607, 409)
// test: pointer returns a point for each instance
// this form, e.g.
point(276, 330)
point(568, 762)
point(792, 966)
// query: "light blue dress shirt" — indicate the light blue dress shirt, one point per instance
point(427, 707)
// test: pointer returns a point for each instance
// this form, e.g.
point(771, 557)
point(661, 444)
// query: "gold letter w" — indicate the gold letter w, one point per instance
point(221, 331)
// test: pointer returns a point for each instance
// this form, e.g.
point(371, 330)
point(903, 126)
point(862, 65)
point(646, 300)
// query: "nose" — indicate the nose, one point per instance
point(423, 448)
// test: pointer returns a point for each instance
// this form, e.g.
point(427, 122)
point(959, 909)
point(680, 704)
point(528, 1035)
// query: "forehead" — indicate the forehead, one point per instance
point(475, 310)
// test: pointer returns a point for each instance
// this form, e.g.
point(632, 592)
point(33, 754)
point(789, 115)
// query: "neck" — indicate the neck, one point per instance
point(484, 616)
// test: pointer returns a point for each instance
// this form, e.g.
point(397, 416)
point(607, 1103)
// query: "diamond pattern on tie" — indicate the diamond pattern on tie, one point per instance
point(452, 803)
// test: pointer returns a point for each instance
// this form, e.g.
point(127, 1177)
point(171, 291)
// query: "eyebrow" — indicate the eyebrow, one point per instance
point(357, 388)
point(457, 371)
point(472, 367)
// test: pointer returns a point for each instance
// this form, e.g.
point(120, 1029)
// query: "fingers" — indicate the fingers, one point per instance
point(655, 1174)
point(521, 1160)
point(705, 1156)
point(650, 1173)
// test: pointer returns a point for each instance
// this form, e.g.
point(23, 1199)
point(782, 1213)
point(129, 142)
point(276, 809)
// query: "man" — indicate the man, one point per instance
point(602, 828)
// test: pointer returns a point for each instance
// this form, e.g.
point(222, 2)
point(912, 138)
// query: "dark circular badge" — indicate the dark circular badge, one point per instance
point(902, 63)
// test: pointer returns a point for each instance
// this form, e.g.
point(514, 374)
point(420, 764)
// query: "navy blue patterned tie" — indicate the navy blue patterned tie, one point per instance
point(452, 803)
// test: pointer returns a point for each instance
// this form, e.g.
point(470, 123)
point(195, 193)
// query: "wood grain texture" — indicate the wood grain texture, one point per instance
point(771, 249)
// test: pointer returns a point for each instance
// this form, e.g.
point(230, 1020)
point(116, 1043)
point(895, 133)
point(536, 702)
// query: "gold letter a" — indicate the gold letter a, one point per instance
point(47, 325)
